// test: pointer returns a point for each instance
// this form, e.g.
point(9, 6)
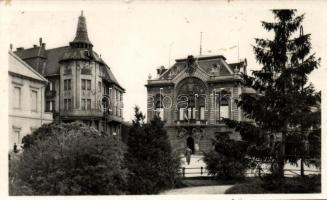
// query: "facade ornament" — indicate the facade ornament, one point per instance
point(190, 64)
point(198, 133)
point(181, 133)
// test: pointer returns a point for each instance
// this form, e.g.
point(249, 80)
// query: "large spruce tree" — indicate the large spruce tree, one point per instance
point(282, 105)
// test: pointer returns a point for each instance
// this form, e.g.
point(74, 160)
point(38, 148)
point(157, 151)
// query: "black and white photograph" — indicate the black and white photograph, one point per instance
point(167, 99)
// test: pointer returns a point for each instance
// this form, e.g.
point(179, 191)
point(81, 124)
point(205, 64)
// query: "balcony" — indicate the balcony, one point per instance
point(86, 71)
point(67, 71)
point(50, 94)
point(191, 122)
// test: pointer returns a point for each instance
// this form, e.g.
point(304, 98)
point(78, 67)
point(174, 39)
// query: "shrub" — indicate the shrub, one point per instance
point(71, 159)
point(152, 165)
point(246, 188)
point(271, 184)
point(228, 159)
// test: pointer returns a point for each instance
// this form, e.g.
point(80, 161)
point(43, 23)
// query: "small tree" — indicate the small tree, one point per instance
point(151, 163)
point(228, 158)
point(71, 159)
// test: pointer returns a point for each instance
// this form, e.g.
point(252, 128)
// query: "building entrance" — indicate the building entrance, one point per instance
point(190, 143)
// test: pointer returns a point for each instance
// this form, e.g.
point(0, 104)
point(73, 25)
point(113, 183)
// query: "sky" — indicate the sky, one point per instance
point(136, 37)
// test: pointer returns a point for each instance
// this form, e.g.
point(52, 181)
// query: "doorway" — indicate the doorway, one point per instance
point(190, 143)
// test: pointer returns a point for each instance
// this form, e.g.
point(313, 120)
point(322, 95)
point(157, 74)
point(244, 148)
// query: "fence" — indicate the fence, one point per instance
point(252, 173)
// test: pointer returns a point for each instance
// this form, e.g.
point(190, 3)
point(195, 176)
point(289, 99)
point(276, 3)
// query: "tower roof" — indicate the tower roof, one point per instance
point(81, 32)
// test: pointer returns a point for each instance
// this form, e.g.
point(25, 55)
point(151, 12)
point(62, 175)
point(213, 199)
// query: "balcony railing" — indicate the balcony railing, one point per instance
point(67, 71)
point(50, 93)
point(191, 122)
point(86, 71)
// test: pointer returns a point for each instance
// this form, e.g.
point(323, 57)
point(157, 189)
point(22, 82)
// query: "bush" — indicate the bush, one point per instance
point(228, 159)
point(152, 165)
point(306, 184)
point(70, 159)
point(270, 184)
point(246, 188)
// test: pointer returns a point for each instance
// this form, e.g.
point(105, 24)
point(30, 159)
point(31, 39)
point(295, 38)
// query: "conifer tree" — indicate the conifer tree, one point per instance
point(152, 164)
point(284, 99)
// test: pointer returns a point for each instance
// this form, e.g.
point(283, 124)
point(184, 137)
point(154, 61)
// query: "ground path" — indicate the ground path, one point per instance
point(216, 189)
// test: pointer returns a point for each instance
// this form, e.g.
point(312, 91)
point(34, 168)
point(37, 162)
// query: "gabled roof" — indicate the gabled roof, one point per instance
point(19, 67)
point(206, 63)
point(37, 51)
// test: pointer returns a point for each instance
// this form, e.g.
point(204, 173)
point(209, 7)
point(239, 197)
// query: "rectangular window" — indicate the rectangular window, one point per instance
point(17, 132)
point(51, 85)
point(160, 113)
point(201, 113)
point(65, 104)
point(194, 113)
point(83, 84)
point(88, 85)
point(189, 113)
point(53, 105)
point(88, 104)
point(34, 101)
point(69, 104)
point(181, 114)
point(67, 84)
point(47, 106)
point(118, 96)
point(100, 85)
point(83, 106)
point(17, 98)
point(224, 112)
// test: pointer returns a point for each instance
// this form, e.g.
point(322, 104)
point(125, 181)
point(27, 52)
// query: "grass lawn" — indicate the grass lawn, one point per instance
point(307, 184)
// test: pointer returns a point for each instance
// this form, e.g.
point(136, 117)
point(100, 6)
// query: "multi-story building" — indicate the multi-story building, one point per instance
point(81, 85)
point(26, 100)
point(193, 96)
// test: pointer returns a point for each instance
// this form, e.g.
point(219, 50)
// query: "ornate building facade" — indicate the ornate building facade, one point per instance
point(81, 85)
point(193, 96)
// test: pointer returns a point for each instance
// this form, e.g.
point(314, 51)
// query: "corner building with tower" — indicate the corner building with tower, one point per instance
point(193, 96)
point(81, 85)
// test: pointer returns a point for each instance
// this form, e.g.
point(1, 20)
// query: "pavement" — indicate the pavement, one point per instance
point(217, 189)
point(195, 165)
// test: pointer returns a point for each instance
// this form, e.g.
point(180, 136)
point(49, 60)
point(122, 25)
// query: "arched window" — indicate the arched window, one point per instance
point(159, 108)
point(222, 105)
point(224, 108)
point(193, 91)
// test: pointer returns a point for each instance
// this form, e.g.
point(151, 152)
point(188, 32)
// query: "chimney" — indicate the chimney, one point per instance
point(43, 45)
point(11, 46)
point(40, 41)
point(20, 48)
point(34, 45)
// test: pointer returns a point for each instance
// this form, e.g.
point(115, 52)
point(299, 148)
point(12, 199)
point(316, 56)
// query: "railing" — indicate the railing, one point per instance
point(258, 172)
point(201, 171)
point(50, 93)
point(191, 121)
